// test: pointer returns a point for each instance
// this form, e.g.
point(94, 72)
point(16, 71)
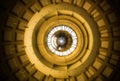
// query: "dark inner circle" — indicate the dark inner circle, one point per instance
point(63, 40)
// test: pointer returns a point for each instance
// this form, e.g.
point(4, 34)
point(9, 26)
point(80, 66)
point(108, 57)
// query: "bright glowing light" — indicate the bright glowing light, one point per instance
point(52, 41)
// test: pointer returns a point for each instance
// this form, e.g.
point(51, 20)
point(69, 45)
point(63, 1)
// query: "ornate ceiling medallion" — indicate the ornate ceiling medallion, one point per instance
point(61, 35)
point(62, 40)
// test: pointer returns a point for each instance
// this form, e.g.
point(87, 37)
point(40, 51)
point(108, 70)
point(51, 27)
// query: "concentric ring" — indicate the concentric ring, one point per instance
point(26, 56)
point(70, 36)
point(51, 23)
point(86, 32)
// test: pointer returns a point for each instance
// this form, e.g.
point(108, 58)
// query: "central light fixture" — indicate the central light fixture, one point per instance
point(62, 40)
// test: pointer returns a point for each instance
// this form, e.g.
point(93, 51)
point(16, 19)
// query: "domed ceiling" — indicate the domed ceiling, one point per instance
point(59, 40)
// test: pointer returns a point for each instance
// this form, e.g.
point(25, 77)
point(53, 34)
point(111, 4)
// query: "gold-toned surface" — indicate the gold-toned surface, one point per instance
point(79, 56)
point(25, 55)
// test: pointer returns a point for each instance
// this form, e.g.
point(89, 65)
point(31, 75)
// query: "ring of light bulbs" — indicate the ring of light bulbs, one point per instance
point(51, 40)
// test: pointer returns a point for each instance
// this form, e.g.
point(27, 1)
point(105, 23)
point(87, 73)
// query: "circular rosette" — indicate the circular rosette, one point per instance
point(63, 39)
